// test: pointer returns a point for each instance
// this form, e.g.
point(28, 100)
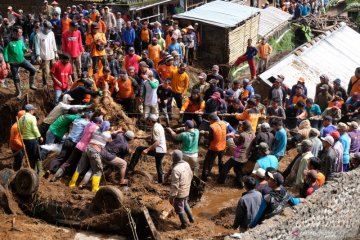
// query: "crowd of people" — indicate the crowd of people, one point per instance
point(143, 67)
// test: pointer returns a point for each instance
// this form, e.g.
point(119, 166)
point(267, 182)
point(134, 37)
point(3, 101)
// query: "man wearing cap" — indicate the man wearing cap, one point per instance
point(251, 113)
point(113, 62)
point(334, 111)
point(215, 75)
point(96, 42)
point(120, 22)
point(215, 105)
point(56, 10)
point(93, 12)
point(301, 81)
point(181, 176)
point(240, 155)
point(298, 96)
point(248, 90)
point(149, 95)
point(109, 19)
point(339, 149)
point(217, 139)
point(300, 167)
point(313, 112)
point(248, 206)
point(106, 79)
point(295, 113)
point(277, 91)
point(345, 141)
point(145, 61)
point(165, 70)
point(132, 59)
point(323, 97)
point(354, 83)
point(263, 136)
point(262, 185)
point(164, 93)
point(124, 92)
point(249, 56)
point(275, 110)
point(83, 27)
point(189, 40)
point(266, 159)
point(328, 158)
point(14, 56)
point(72, 45)
point(74, 136)
point(156, 149)
point(128, 36)
point(61, 72)
point(354, 134)
point(30, 134)
point(316, 142)
point(15, 143)
point(189, 144)
point(65, 22)
point(327, 126)
point(324, 80)
point(73, 14)
point(264, 51)
point(202, 85)
point(46, 10)
point(46, 50)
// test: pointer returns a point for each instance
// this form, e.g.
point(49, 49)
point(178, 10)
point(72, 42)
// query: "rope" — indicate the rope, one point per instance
point(10, 156)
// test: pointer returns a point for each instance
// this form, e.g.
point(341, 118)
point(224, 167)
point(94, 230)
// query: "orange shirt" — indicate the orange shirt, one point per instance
point(126, 89)
point(165, 71)
point(110, 80)
point(91, 42)
point(251, 116)
point(93, 16)
point(102, 26)
point(320, 180)
point(297, 99)
point(167, 40)
point(154, 53)
point(65, 24)
point(190, 106)
point(264, 50)
point(355, 87)
point(15, 140)
point(179, 82)
point(218, 143)
point(145, 35)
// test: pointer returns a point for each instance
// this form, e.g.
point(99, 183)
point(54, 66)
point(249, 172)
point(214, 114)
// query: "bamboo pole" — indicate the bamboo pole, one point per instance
point(22, 142)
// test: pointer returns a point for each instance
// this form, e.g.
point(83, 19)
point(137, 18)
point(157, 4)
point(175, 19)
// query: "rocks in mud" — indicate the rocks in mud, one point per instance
point(330, 213)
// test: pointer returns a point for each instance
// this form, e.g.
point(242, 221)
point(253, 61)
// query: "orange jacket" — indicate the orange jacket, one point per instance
point(250, 115)
point(355, 87)
point(91, 40)
point(65, 24)
point(218, 142)
point(190, 106)
point(165, 71)
point(126, 89)
point(154, 53)
point(15, 138)
point(264, 50)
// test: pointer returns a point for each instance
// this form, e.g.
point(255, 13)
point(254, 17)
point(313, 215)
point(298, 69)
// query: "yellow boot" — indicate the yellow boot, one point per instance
point(95, 183)
point(73, 180)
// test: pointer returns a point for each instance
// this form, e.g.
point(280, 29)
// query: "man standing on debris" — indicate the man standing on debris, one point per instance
point(181, 176)
point(264, 51)
point(156, 149)
point(14, 55)
point(249, 56)
point(30, 134)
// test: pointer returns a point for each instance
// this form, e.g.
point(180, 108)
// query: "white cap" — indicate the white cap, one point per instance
point(328, 139)
point(67, 99)
point(259, 172)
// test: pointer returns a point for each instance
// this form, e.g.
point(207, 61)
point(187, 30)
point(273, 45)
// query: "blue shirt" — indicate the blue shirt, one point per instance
point(345, 141)
point(229, 129)
point(280, 143)
point(77, 129)
point(128, 36)
point(313, 111)
point(268, 161)
point(327, 130)
point(175, 47)
point(251, 52)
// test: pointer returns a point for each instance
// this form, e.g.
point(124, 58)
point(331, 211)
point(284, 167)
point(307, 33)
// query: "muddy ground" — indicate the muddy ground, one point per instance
point(214, 213)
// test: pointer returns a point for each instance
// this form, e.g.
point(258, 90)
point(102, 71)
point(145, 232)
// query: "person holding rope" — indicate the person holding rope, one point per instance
point(16, 145)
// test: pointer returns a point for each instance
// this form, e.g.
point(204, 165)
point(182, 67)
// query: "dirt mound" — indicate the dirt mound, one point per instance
point(225, 217)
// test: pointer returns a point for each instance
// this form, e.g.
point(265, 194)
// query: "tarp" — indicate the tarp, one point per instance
point(336, 54)
point(219, 13)
point(271, 18)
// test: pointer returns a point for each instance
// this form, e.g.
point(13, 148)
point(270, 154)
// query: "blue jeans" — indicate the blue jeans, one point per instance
point(14, 67)
point(57, 95)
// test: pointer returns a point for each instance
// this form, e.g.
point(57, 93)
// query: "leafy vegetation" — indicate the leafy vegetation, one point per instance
point(287, 43)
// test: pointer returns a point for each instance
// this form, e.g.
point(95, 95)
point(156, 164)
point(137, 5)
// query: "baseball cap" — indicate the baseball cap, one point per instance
point(189, 124)
point(265, 125)
point(301, 79)
point(213, 116)
point(342, 126)
point(131, 49)
point(259, 173)
point(143, 64)
point(202, 75)
point(153, 118)
point(229, 93)
point(328, 139)
point(327, 117)
point(48, 24)
point(264, 147)
point(251, 101)
point(335, 134)
point(94, 25)
point(129, 134)
point(29, 107)
point(277, 177)
point(337, 81)
point(353, 125)
point(74, 24)
point(282, 77)
point(246, 81)
point(306, 143)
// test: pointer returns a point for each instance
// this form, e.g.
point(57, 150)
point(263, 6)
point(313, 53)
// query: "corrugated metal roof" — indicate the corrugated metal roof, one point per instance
point(271, 18)
point(219, 13)
point(337, 54)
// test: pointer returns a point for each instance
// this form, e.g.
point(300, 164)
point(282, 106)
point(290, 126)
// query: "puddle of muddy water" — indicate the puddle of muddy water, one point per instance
point(216, 199)
point(89, 235)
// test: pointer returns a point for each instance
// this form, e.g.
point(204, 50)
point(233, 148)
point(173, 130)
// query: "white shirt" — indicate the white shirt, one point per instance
point(151, 95)
point(158, 134)
point(46, 45)
point(119, 24)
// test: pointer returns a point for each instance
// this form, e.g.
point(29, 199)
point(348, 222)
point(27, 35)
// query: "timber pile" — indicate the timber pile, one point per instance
point(322, 24)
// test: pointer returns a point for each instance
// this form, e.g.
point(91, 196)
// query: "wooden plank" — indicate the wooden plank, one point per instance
point(154, 233)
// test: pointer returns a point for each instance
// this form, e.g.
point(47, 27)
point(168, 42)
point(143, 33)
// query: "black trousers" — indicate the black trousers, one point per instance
point(43, 129)
point(32, 150)
point(66, 150)
point(71, 163)
point(128, 105)
point(95, 62)
point(231, 163)
point(18, 159)
point(158, 159)
point(197, 118)
point(209, 162)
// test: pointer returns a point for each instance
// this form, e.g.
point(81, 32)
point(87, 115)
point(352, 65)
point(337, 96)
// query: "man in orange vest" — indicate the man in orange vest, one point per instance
point(154, 52)
point(124, 93)
point(217, 138)
point(165, 70)
point(96, 41)
point(106, 78)
point(354, 84)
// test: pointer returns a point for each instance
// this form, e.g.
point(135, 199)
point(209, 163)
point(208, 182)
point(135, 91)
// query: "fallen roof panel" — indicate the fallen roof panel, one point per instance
point(271, 18)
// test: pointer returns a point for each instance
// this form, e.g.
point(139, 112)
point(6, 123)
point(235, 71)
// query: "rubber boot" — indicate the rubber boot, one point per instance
point(85, 179)
point(32, 83)
point(40, 169)
point(18, 90)
point(189, 213)
point(183, 220)
point(73, 180)
point(95, 183)
point(57, 175)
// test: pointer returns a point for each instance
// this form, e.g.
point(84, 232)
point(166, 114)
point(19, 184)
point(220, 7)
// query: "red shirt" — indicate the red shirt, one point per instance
point(61, 72)
point(72, 43)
